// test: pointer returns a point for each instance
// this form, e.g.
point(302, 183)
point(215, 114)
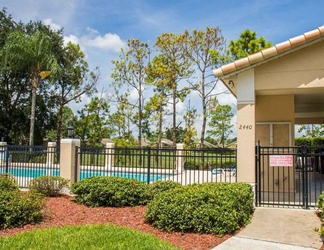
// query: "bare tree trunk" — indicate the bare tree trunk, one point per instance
point(32, 117)
point(204, 121)
point(59, 126)
point(174, 116)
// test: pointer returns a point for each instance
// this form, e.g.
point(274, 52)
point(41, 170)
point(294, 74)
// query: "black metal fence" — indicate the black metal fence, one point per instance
point(151, 164)
point(289, 176)
point(27, 162)
point(144, 164)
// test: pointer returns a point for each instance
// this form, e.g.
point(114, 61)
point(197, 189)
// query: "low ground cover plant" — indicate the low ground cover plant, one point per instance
point(84, 237)
point(217, 208)
point(49, 186)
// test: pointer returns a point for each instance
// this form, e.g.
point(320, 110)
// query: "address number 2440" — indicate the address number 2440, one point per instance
point(245, 127)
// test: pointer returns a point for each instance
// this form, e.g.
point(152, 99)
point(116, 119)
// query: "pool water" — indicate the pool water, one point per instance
point(31, 172)
point(138, 176)
point(37, 172)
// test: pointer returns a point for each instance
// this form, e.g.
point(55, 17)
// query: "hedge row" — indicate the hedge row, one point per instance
point(117, 192)
point(310, 142)
point(217, 208)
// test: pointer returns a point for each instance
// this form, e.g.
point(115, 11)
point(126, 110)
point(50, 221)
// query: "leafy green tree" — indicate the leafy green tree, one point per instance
point(16, 74)
point(120, 121)
point(220, 123)
point(33, 53)
point(93, 124)
point(74, 81)
point(176, 67)
point(180, 131)
point(247, 44)
point(197, 45)
point(158, 75)
point(68, 118)
point(13, 90)
point(190, 130)
point(130, 71)
point(312, 130)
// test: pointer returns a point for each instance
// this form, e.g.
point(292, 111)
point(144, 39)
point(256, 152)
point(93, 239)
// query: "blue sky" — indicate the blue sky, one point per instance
point(103, 27)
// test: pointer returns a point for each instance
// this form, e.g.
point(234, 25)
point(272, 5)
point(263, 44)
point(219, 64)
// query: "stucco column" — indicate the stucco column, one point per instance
point(246, 143)
point(180, 158)
point(246, 127)
point(3, 146)
point(68, 170)
point(50, 155)
point(110, 155)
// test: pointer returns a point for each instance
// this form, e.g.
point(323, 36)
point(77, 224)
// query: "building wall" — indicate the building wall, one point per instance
point(265, 94)
point(276, 108)
point(300, 69)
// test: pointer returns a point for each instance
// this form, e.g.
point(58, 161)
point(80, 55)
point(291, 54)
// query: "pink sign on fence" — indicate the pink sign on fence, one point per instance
point(281, 161)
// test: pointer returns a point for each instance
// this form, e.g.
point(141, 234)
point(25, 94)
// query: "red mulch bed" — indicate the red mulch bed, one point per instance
point(62, 211)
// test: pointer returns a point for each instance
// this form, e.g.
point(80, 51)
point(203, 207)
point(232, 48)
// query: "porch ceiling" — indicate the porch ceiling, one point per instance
point(309, 104)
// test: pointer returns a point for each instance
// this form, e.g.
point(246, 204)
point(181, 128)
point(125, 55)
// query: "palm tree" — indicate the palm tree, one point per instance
point(33, 53)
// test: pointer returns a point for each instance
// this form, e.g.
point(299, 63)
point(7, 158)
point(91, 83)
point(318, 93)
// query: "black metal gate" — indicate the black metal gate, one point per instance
point(289, 176)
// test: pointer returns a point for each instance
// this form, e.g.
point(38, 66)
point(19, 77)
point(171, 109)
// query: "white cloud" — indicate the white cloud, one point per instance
point(108, 42)
point(71, 38)
point(50, 23)
point(92, 31)
point(180, 106)
point(133, 96)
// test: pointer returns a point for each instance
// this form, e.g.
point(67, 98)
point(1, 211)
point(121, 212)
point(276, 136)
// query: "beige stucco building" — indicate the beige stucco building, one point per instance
point(275, 88)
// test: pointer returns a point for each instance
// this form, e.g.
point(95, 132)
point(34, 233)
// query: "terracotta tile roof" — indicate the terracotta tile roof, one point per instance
point(270, 52)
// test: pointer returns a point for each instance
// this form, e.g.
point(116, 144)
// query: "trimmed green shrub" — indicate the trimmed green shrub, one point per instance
point(320, 206)
point(17, 209)
point(8, 183)
point(303, 141)
point(50, 186)
point(217, 208)
point(318, 142)
point(320, 201)
point(110, 191)
point(160, 186)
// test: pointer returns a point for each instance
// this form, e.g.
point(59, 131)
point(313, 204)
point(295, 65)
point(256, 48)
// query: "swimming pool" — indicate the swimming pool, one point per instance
point(37, 172)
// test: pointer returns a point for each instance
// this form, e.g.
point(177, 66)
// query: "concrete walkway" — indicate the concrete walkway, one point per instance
point(278, 228)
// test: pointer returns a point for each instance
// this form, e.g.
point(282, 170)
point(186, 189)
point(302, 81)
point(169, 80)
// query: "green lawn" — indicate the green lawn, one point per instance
point(84, 237)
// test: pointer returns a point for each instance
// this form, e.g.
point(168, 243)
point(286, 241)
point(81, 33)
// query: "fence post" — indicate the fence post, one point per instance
point(304, 176)
point(180, 158)
point(148, 164)
point(50, 155)
point(257, 191)
point(3, 147)
point(68, 159)
point(110, 155)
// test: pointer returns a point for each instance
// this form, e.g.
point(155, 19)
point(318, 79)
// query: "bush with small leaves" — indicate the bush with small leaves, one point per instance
point(50, 186)
point(217, 208)
point(320, 206)
point(160, 186)
point(18, 209)
point(109, 191)
point(8, 183)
